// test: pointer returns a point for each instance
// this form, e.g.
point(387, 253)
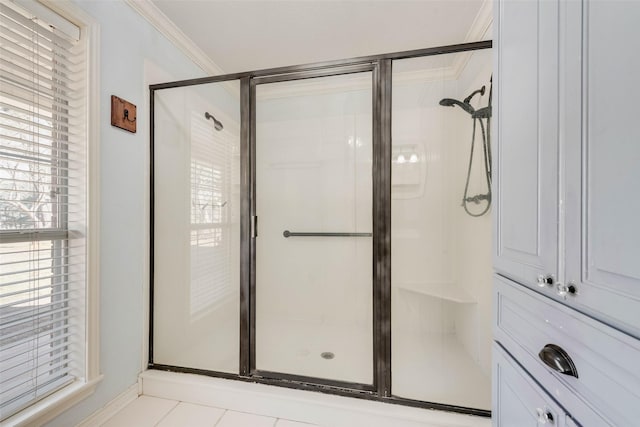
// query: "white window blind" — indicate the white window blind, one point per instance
point(210, 214)
point(42, 205)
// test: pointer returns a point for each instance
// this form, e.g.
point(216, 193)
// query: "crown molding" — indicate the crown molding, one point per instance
point(481, 23)
point(478, 31)
point(166, 27)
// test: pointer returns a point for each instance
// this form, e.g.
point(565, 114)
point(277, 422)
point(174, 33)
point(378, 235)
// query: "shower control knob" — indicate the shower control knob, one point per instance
point(568, 289)
point(545, 280)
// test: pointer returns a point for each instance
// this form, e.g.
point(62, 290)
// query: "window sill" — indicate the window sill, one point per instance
point(52, 406)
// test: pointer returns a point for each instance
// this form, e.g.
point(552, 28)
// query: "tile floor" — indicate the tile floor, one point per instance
point(148, 411)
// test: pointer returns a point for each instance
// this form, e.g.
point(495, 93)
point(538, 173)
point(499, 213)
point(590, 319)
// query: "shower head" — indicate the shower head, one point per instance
point(448, 102)
point(216, 124)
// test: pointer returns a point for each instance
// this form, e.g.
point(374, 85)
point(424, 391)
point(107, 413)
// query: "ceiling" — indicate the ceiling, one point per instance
point(241, 35)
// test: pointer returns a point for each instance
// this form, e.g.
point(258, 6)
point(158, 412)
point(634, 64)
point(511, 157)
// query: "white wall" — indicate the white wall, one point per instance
point(472, 235)
point(132, 55)
point(421, 225)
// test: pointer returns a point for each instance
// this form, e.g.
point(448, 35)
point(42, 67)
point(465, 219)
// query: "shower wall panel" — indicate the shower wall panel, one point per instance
point(472, 235)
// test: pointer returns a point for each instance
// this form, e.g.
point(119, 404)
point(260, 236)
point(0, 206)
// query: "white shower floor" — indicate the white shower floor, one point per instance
point(434, 368)
point(437, 368)
point(296, 348)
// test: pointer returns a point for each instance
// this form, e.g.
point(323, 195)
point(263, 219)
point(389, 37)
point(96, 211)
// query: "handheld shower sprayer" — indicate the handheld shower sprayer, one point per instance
point(216, 123)
point(448, 102)
point(465, 105)
point(477, 116)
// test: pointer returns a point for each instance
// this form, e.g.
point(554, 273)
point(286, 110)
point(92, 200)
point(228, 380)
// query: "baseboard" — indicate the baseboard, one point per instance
point(303, 406)
point(110, 409)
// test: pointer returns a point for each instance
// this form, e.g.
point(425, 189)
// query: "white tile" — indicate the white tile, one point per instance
point(240, 419)
point(145, 411)
point(288, 423)
point(188, 414)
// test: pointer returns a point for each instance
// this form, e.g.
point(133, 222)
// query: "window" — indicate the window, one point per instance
point(44, 225)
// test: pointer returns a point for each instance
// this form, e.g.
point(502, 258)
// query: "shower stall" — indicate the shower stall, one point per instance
point(307, 229)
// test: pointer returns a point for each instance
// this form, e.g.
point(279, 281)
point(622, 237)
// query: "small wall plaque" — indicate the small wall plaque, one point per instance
point(123, 114)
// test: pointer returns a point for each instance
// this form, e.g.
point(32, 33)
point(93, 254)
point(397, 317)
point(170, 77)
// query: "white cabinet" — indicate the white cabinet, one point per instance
point(571, 423)
point(567, 217)
point(590, 368)
point(567, 184)
point(521, 402)
point(602, 162)
point(526, 178)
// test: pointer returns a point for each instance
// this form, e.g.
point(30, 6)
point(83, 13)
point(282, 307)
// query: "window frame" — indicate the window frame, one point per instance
point(53, 405)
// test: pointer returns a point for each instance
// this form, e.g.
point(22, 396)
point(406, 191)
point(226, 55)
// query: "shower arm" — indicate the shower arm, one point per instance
point(468, 98)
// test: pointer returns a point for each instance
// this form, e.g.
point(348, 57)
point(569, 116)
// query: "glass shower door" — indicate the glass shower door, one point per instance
point(313, 200)
point(196, 279)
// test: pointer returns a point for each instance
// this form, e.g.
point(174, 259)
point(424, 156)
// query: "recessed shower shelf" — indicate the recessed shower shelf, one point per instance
point(445, 291)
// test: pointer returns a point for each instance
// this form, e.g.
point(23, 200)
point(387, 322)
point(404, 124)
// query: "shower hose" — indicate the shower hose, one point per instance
point(486, 149)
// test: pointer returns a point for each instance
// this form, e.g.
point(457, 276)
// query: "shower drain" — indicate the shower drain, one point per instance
point(327, 355)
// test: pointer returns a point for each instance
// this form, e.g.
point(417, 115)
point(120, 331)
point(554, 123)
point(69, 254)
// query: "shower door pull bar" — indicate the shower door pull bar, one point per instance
point(287, 234)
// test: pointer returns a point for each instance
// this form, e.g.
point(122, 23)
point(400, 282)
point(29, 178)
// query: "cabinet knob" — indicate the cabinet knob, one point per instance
point(544, 416)
point(557, 359)
point(545, 280)
point(568, 289)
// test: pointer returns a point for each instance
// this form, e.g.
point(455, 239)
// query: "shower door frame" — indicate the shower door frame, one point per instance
point(381, 68)
point(380, 382)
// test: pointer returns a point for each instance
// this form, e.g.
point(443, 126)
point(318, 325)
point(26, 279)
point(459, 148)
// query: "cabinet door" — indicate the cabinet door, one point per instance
point(570, 422)
point(517, 400)
point(603, 166)
point(526, 176)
